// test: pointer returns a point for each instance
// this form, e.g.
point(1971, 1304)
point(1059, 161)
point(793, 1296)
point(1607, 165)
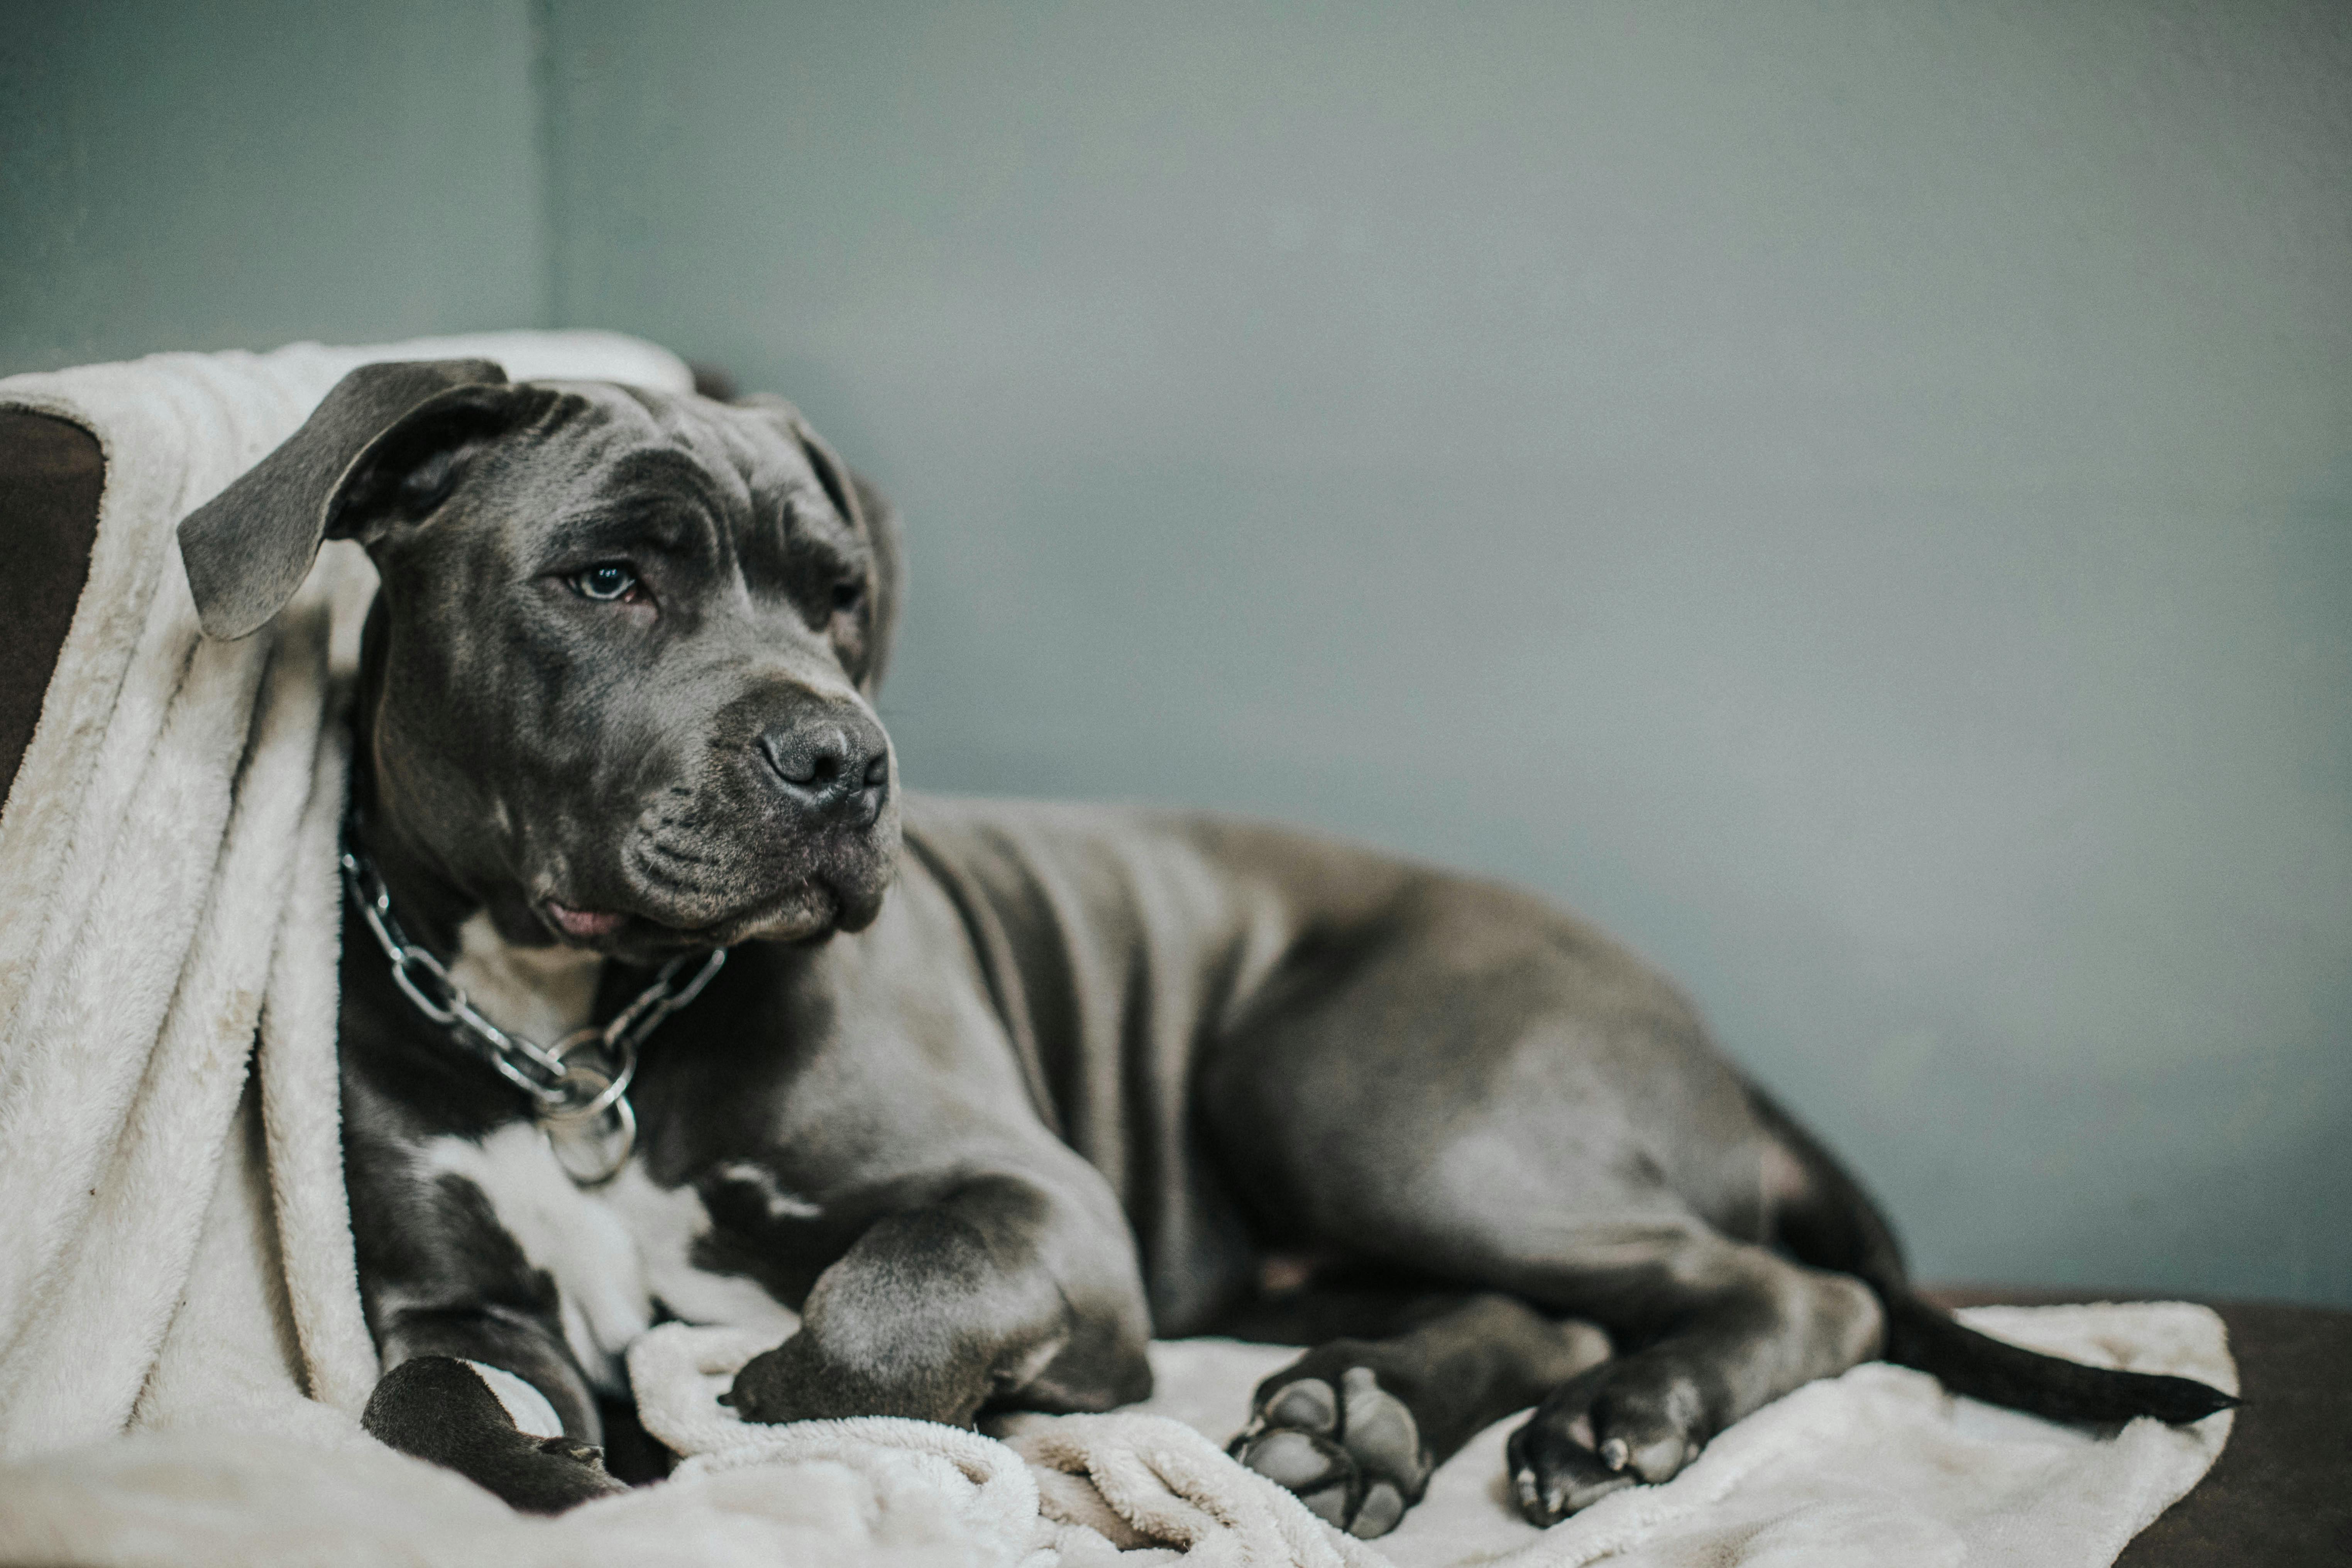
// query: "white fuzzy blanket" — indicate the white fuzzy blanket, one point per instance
point(181, 1354)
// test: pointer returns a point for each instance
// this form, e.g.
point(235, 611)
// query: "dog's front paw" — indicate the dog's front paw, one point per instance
point(558, 1474)
point(1329, 1431)
point(771, 1387)
point(809, 1378)
point(462, 1414)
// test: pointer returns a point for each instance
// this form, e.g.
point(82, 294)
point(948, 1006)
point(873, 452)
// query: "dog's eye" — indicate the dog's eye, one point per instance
point(607, 582)
point(847, 593)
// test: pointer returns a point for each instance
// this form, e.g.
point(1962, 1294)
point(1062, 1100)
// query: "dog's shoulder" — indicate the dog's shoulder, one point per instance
point(1090, 873)
point(1155, 865)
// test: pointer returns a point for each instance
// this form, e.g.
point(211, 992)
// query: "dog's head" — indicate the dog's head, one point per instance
point(617, 685)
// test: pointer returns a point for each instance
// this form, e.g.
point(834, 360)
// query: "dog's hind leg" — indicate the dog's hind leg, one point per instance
point(1708, 1329)
point(1741, 1326)
point(1355, 1426)
point(1713, 1329)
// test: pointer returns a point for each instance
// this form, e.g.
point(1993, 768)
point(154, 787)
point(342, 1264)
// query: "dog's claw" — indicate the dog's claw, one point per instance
point(1545, 1504)
point(572, 1449)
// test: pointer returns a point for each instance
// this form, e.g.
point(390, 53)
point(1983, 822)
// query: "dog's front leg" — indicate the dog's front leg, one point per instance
point(1002, 1291)
point(479, 1392)
point(477, 1374)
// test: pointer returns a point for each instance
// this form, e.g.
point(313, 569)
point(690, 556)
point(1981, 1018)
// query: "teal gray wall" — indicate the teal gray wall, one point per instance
point(1858, 500)
point(177, 175)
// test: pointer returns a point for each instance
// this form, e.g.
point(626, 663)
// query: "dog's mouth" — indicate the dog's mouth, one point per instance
point(585, 927)
point(676, 886)
point(808, 912)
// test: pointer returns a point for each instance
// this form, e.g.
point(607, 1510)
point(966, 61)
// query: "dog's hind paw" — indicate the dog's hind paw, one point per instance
point(1622, 1425)
point(1349, 1448)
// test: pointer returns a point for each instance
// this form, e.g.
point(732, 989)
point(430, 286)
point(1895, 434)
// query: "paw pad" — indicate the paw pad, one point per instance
point(1352, 1453)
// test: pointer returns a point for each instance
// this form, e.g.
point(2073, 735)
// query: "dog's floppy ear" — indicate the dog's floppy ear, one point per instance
point(869, 512)
point(880, 520)
point(247, 549)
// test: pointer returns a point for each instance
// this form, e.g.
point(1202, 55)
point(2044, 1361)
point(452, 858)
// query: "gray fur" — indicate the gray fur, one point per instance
point(1082, 1074)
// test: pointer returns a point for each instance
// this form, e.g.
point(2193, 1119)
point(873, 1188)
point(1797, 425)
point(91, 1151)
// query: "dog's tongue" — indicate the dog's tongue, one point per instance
point(584, 925)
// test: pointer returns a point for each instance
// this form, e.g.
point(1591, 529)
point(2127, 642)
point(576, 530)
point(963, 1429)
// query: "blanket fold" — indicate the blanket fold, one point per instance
point(183, 1354)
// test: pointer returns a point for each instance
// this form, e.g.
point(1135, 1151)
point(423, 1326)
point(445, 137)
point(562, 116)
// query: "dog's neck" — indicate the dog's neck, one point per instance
point(542, 990)
point(544, 993)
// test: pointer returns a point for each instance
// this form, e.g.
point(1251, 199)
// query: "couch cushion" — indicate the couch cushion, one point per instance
point(50, 475)
point(2281, 1494)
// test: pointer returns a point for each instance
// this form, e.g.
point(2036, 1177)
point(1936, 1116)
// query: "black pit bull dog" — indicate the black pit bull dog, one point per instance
point(986, 1093)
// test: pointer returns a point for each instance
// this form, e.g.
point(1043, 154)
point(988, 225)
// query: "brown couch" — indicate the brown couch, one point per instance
point(2281, 1494)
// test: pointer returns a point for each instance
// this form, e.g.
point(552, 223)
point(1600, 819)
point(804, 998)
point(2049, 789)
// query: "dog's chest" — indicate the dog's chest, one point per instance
point(621, 1255)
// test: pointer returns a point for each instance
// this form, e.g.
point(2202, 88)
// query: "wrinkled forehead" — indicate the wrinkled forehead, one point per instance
point(610, 446)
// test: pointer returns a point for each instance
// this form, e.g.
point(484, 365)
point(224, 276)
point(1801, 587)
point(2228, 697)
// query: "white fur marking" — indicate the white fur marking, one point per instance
point(666, 1223)
point(526, 1407)
point(782, 1204)
point(612, 1251)
point(583, 1246)
point(542, 992)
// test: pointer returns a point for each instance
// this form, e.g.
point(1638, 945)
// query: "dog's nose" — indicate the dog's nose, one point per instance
point(837, 766)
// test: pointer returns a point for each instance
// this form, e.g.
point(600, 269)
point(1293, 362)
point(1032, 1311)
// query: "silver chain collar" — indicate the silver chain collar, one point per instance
point(579, 1087)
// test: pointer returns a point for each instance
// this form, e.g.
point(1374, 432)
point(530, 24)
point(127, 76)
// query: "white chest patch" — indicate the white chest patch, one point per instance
point(542, 992)
point(617, 1252)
